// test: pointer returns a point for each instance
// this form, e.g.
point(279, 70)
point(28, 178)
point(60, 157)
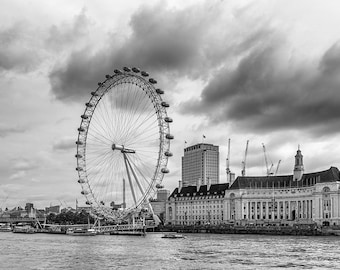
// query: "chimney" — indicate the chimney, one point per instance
point(198, 184)
point(179, 185)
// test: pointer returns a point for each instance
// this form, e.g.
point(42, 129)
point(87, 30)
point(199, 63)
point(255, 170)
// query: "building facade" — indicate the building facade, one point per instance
point(158, 204)
point(287, 199)
point(194, 205)
point(200, 165)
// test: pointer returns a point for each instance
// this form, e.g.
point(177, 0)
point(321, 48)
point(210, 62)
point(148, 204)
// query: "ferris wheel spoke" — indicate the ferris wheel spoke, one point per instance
point(98, 140)
point(96, 157)
point(103, 116)
point(100, 132)
point(137, 109)
point(98, 129)
point(130, 126)
point(136, 131)
point(141, 136)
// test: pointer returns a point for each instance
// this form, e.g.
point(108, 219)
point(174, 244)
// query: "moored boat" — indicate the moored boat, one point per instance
point(173, 235)
point(5, 228)
point(81, 232)
point(23, 229)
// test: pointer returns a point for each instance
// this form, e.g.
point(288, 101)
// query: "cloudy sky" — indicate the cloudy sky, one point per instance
point(263, 71)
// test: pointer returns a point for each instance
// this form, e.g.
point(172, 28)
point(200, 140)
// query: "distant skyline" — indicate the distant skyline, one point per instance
point(264, 71)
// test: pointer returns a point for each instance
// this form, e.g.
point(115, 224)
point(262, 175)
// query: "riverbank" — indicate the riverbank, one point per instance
point(298, 229)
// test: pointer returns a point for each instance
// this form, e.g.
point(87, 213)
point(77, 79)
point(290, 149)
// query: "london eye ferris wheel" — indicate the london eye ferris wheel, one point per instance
point(123, 143)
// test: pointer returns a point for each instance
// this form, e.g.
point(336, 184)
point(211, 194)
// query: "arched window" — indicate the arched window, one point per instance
point(232, 206)
point(326, 189)
point(326, 203)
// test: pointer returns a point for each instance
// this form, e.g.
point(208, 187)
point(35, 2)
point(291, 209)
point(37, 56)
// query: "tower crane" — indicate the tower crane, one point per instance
point(243, 172)
point(266, 161)
point(277, 167)
point(228, 163)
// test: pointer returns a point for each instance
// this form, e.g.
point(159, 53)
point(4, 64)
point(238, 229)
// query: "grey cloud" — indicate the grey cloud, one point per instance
point(64, 144)
point(18, 49)
point(69, 33)
point(265, 92)
point(174, 42)
point(330, 62)
point(8, 130)
point(22, 164)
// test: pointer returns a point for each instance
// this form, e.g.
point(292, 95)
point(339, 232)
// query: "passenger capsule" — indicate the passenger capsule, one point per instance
point(168, 154)
point(100, 84)
point(144, 73)
point(95, 94)
point(81, 129)
point(164, 104)
point(78, 156)
point(127, 69)
point(159, 186)
point(84, 192)
point(88, 104)
point(136, 70)
point(159, 91)
point(117, 71)
point(107, 76)
point(79, 142)
point(168, 119)
point(84, 116)
point(79, 169)
point(165, 170)
point(81, 181)
point(153, 81)
point(88, 202)
point(169, 136)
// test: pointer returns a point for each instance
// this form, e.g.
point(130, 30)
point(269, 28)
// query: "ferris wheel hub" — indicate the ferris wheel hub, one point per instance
point(122, 148)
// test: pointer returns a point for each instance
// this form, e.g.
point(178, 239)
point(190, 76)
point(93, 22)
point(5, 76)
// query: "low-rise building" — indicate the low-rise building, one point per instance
point(194, 205)
point(158, 205)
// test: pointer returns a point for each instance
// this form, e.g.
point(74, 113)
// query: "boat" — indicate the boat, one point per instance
point(5, 228)
point(133, 233)
point(23, 229)
point(81, 232)
point(173, 235)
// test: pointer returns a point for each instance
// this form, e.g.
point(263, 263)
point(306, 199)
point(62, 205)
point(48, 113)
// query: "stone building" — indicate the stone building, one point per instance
point(194, 205)
point(285, 199)
point(305, 198)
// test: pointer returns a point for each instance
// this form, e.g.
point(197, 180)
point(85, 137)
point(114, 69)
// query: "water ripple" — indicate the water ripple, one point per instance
point(197, 251)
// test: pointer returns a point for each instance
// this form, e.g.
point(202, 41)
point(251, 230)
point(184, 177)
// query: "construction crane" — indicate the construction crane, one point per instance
point(277, 167)
point(266, 161)
point(243, 172)
point(228, 163)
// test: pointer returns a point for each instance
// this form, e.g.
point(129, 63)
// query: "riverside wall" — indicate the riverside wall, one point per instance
point(298, 229)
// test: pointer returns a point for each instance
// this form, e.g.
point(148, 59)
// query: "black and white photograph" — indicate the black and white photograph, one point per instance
point(169, 134)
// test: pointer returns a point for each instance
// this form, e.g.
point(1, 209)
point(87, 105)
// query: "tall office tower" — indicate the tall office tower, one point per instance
point(200, 165)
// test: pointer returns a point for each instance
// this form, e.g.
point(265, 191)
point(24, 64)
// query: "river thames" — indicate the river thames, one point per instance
point(196, 251)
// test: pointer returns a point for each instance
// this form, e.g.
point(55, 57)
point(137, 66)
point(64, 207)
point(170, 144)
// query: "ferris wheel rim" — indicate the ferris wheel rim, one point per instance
point(127, 76)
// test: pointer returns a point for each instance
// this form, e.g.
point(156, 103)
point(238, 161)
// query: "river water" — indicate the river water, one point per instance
point(196, 251)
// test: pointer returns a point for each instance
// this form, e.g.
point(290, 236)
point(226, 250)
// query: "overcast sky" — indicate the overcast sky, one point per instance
point(264, 71)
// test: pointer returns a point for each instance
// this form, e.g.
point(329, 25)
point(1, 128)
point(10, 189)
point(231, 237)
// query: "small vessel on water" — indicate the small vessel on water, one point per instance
point(132, 233)
point(173, 235)
point(23, 229)
point(5, 228)
point(81, 232)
